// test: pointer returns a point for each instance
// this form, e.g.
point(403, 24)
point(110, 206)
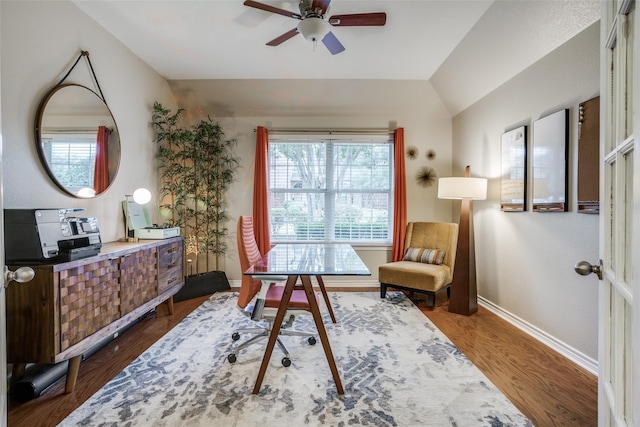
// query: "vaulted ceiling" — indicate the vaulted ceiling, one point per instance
point(464, 48)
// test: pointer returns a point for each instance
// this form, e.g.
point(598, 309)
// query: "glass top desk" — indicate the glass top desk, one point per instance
point(304, 261)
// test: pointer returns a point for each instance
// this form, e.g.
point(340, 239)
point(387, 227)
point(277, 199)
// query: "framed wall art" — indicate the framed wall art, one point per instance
point(589, 156)
point(549, 148)
point(513, 177)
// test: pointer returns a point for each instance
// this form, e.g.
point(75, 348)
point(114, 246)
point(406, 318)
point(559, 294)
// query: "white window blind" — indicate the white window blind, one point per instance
point(71, 158)
point(331, 188)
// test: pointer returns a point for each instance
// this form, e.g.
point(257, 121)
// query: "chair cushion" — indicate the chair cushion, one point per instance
point(298, 298)
point(416, 275)
point(427, 256)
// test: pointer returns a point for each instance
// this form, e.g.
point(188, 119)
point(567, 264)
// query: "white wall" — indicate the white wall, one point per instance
point(40, 42)
point(241, 105)
point(525, 260)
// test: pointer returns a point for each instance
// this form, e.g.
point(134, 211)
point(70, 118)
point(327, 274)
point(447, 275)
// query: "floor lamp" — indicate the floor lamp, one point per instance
point(464, 294)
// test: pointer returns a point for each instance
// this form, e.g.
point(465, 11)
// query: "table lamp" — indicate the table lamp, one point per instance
point(464, 294)
point(141, 196)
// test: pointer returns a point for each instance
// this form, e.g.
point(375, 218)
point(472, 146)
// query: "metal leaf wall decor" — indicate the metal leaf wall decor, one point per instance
point(426, 176)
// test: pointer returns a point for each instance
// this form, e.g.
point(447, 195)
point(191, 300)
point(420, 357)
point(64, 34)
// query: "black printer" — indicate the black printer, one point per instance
point(49, 235)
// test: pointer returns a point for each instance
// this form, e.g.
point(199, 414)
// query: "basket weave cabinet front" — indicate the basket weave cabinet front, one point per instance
point(69, 307)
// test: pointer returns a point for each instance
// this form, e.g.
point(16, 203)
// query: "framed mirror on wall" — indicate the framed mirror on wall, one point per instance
point(513, 177)
point(550, 147)
point(77, 140)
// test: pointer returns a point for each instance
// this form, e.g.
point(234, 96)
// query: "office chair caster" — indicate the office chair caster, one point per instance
point(286, 362)
point(235, 336)
point(232, 358)
point(311, 340)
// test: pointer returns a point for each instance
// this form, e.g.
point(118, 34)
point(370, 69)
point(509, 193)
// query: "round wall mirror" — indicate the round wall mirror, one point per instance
point(77, 140)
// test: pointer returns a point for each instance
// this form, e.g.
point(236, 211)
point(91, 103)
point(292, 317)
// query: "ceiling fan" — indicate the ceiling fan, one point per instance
point(314, 25)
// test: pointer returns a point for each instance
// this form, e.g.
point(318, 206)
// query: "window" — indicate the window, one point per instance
point(331, 189)
point(71, 158)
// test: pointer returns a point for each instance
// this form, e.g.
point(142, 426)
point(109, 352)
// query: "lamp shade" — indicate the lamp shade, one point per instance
point(142, 196)
point(462, 188)
point(314, 29)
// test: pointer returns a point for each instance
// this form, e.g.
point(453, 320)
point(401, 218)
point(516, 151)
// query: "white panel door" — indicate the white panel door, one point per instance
point(3, 313)
point(619, 296)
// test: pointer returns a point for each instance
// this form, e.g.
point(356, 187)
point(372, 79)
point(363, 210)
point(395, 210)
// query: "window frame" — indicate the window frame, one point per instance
point(331, 141)
point(68, 139)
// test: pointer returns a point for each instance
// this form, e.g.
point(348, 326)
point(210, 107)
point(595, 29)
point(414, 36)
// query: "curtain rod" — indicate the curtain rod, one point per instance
point(370, 131)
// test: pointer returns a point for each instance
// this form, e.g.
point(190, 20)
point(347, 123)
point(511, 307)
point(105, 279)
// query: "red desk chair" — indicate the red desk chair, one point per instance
point(267, 297)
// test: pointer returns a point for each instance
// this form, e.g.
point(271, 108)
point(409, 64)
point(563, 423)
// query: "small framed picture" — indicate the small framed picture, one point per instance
point(513, 178)
point(549, 163)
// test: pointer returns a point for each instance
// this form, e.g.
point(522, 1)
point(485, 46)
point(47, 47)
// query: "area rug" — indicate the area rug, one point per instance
point(396, 367)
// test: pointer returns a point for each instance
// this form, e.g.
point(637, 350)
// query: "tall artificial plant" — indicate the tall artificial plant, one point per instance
point(197, 166)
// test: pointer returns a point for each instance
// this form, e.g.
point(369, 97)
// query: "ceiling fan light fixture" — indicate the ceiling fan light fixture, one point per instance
point(314, 29)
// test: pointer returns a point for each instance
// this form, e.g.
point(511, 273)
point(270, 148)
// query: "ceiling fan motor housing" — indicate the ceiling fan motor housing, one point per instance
point(306, 6)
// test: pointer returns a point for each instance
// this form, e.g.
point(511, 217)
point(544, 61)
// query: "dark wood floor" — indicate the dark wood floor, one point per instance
point(547, 388)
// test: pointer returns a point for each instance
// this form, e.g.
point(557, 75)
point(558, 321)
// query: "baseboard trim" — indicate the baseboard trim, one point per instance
point(564, 349)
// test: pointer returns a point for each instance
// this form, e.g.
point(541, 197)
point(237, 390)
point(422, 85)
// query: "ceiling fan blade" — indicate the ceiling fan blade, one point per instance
point(322, 4)
point(332, 43)
point(359, 20)
point(272, 9)
point(283, 38)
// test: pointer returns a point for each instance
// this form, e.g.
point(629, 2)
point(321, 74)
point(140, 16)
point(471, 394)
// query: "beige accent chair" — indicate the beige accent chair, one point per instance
point(421, 276)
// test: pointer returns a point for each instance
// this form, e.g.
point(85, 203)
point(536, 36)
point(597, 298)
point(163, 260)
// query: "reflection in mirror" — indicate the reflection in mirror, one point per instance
point(77, 140)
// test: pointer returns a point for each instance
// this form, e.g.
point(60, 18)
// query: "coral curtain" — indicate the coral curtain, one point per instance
point(260, 195)
point(101, 168)
point(399, 196)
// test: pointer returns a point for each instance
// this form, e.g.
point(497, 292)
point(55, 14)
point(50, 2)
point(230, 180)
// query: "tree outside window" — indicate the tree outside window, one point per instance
point(331, 190)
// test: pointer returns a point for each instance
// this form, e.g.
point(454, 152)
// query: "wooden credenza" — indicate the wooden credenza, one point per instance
point(69, 307)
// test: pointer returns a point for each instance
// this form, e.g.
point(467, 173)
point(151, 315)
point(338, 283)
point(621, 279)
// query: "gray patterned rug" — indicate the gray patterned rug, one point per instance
point(397, 369)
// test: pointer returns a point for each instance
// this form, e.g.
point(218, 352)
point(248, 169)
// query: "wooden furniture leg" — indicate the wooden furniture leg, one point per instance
point(170, 304)
point(326, 298)
point(315, 310)
point(277, 323)
point(72, 373)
